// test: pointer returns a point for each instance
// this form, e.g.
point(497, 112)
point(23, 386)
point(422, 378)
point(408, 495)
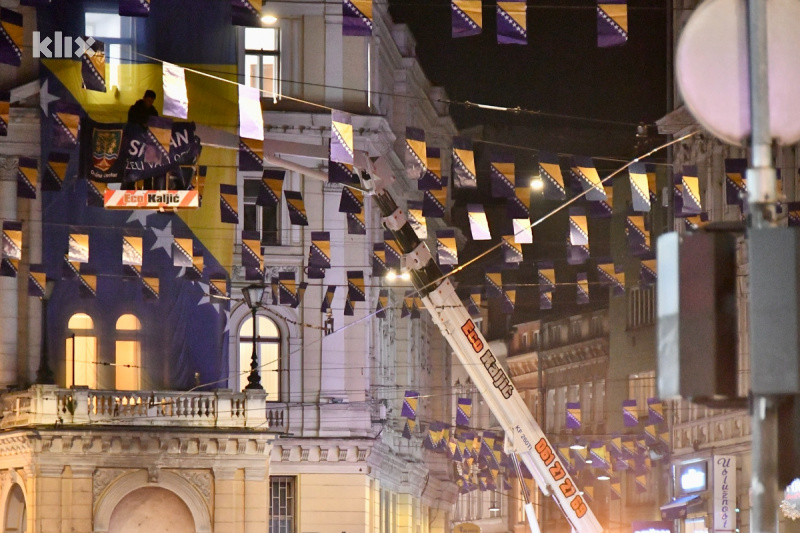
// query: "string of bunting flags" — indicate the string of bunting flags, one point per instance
point(480, 462)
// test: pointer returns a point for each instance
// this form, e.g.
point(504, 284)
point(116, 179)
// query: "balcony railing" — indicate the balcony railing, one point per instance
point(50, 405)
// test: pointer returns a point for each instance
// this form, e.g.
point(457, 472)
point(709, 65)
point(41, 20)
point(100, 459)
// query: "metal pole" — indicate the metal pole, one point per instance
point(254, 379)
point(761, 200)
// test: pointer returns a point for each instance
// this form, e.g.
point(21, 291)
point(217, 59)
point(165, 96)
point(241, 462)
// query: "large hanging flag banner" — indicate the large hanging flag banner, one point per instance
point(735, 184)
point(416, 153)
point(356, 224)
point(87, 278)
point(584, 171)
point(638, 235)
point(551, 176)
point(431, 179)
point(269, 194)
point(519, 206)
point(502, 174)
point(509, 301)
point(603, 208)
point(410, 402)
point(246, 13)
point(228, 204)
point(182, 252)
point(512, 24)
point(640, 192)
point(218, 287)
point(434, 203)
point(464, 174)
point(692, 205)
point(93, 67)
point(195, 272)
point(5, 110)
point(340, 167)
point(297, 210)
point(392, 248)
point(379, 266)
point(512, 250)
point(573, 415)
point(478, 223)
point(327, 300)
point(416, 219)
point(78, 248)
point(109, 153)
point(56, 171)
point(67, 119)
point(355, 286)
point(383, 303)
point(612, 275)
point(467, 17)
point(251, 117)
point(630, 415)
point(648, 273)
point(159, 133)
point(27, 177)
point(578, 240)
point(474, 301)
point(582, 288)
point(352, 200)
point(251, 155)
point(655, 411)
point(447, 251)
point(357, 17)
point(176, 99)
point(494, 281)
point(463, 411)
point(252, 256)
point(319, 254)
point(612, 23)
point(134, 8)
point(11, 36)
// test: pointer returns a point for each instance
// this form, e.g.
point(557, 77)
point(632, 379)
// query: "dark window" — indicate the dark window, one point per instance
point(281, 504)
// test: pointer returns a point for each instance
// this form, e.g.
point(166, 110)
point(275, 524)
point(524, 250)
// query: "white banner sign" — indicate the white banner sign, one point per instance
point(724, 493)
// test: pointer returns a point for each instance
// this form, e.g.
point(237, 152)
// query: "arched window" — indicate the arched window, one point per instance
point(16, 518)
point(128, 356)
point(81, 351)
point(268, 348)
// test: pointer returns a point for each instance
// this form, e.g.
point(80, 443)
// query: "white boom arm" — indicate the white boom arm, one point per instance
point(527, 439)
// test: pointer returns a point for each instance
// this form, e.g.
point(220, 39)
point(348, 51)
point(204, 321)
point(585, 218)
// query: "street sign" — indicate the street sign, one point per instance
point(151, 199)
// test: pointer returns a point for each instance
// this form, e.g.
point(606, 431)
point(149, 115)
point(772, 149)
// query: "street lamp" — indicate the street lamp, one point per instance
point(252, 297)
point(44, 375)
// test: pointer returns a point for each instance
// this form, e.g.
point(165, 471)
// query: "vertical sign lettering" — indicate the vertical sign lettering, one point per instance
point(724, 493)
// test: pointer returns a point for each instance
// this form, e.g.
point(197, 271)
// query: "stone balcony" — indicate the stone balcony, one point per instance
point(48, 405)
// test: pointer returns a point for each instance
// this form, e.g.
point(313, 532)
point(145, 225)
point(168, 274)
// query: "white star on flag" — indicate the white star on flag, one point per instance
point(140, 216)
point(45, 98)
point(164, 238)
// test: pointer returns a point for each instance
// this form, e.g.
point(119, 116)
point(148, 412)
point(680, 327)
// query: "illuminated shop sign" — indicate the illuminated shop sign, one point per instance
point(693, 477)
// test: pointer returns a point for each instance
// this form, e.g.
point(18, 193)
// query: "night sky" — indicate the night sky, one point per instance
point(560, 72)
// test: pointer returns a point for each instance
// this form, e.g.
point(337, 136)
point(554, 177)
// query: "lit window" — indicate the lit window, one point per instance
point(16, 518)
point(268, 350)
point(128, 357)
point(262, 59)
point(117, 34)
point(281, 504)
point(259, 218)
point(81, 351)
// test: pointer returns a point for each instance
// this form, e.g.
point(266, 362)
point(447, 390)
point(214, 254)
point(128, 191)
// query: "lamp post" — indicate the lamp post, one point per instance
point(252, 297)
point(44, 375)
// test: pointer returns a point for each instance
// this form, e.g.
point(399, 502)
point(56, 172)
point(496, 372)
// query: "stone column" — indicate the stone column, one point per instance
point(256, 496)
point(47, 499)
point(81, 508)
point(8, 286)
point(32, 239)
point(228, 500)
point(405, 513)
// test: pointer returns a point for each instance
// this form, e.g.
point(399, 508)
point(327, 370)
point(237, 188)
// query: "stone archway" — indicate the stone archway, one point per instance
point(169, 482)
point(151, 509)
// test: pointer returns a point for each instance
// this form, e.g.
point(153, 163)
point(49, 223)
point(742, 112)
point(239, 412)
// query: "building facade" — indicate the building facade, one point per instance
point(145, 420)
